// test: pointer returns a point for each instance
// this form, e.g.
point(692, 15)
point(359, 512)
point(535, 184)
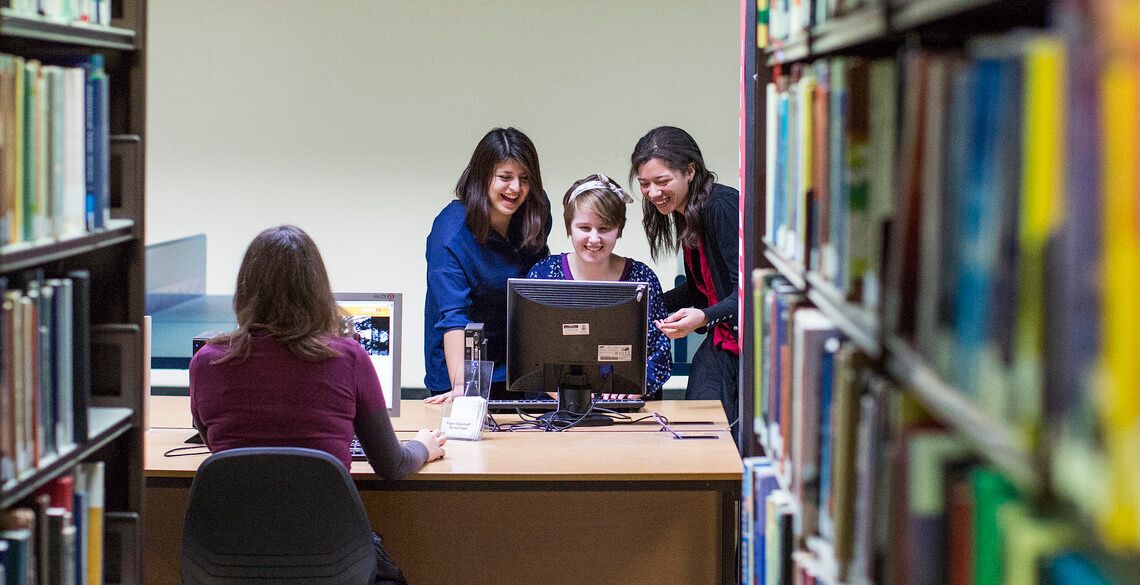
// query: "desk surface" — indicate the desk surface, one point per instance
point(568, 456)
point(620, 452)
point(173, 412)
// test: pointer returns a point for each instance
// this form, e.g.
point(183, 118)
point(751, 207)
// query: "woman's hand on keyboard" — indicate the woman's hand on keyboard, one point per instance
point(433, 440)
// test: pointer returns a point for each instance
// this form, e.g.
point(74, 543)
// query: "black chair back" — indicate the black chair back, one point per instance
point(276, 514)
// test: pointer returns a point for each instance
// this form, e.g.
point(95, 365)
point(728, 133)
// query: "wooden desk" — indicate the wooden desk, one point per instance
point(174, 412)
point(576, 507)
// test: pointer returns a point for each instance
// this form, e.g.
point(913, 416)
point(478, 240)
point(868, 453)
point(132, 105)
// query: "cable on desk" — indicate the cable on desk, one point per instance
point(186, 450)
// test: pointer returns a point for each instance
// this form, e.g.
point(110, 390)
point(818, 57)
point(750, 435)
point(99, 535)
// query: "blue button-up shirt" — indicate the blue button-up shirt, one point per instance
point(467, 283)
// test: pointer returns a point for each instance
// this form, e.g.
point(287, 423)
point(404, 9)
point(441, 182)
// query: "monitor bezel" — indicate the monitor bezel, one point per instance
point(563, 282)
point(397, 340)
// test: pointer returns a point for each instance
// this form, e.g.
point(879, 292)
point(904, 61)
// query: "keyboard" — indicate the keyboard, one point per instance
point(541, 405)
point(356, 451)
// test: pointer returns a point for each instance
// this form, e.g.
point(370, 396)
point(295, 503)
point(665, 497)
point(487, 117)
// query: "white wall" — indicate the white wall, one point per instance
point(353, 119)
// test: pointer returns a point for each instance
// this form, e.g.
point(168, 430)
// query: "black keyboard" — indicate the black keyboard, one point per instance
point(540, 405)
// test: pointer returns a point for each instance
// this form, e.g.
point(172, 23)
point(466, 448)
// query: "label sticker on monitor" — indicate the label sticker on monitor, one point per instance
point(575, 328)
point(615, 353)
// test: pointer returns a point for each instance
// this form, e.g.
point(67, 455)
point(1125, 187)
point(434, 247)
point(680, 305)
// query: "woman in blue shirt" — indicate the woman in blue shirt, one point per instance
point(495, 230)
point(594, 210)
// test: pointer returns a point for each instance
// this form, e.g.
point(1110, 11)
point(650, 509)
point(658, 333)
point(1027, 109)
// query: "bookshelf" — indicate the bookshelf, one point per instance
point(112, 254)
point(36, 29)
point(1002, 405)
point(22, 256)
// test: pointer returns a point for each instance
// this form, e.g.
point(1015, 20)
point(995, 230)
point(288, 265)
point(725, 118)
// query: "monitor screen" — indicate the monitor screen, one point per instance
point(569, 333)
point(376, 325)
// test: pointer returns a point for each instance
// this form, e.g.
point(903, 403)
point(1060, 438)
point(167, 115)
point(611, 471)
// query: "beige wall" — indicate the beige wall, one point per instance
point(353, 119)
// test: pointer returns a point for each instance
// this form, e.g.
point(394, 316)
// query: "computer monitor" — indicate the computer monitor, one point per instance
point(576, 338)
point(376, 325)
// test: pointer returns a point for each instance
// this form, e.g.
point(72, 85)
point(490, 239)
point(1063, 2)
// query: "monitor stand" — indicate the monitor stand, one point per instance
point(574, 403)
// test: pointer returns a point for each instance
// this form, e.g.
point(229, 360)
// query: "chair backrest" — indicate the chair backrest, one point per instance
point(276, 514)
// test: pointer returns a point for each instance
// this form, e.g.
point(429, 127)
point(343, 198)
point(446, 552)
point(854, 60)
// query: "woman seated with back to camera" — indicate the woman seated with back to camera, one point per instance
point(594, 212)
point(291, 375)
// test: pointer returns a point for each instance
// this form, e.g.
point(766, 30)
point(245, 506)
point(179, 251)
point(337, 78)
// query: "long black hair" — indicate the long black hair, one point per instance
point(677, 150)
point(498, 146)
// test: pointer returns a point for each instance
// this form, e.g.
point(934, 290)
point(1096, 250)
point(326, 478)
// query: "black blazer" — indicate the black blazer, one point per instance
point(721, 217)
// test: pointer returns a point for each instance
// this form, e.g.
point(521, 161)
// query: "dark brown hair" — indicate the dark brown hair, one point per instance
point(677, 150)
point(528, 224)
point(606, 203)
point(283, 289)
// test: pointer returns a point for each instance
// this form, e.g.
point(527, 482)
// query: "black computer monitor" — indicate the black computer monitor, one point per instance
point(576, 338)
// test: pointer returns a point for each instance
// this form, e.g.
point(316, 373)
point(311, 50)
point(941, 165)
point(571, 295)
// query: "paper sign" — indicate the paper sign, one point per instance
point(466, 420)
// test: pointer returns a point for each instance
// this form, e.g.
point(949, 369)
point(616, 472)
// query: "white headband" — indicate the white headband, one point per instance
point(603, 183)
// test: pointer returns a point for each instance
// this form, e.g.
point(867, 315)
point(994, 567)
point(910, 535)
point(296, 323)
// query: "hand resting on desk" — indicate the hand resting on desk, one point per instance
point(433, 440)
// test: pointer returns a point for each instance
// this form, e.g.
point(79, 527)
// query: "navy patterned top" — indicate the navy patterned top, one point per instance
point(660, 362)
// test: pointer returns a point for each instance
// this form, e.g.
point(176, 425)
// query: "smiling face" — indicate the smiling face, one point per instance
point(593, 239)
point(508, 190)
point(667, 189)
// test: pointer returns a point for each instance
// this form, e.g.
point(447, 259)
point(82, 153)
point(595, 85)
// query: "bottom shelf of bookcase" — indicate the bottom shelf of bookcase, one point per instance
point(104, 425)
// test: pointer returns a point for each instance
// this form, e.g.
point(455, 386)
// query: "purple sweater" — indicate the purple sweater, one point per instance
point(275, 399)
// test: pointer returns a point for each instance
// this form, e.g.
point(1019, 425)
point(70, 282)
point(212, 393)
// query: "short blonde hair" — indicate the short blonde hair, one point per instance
point(605, 202)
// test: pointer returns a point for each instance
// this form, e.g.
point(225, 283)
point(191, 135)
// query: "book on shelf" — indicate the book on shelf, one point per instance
point(812, 332)
point(51, 540)
point(64, 11)
point(40, 399)
point(902, 500)
point(828, 197)
point(759, 481)
point(54, 146)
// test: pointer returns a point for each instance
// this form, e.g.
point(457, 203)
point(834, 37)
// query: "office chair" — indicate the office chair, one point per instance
point(276, 515)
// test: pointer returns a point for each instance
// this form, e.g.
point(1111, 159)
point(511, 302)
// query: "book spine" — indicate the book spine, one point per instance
point(80, 351)
point(100, 95)
point(7, 406)
point(94, 483)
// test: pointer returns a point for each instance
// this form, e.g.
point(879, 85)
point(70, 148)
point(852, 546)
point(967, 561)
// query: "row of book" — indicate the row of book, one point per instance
point(859, 486)
point(947, 519)
point(983, 203)
point(830, 130)
point(54, 148)
point(64, 11)
point(59, 538)
point(45, 380)
point(786, 21)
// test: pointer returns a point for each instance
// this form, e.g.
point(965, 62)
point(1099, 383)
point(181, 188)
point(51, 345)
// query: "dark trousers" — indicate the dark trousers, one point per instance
point(713, 376)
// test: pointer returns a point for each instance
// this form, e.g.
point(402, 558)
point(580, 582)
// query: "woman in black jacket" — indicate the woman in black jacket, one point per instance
point(685, 208)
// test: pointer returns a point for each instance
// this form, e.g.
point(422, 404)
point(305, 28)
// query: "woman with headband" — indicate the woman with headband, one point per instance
point(685, 208)
point(594, 211)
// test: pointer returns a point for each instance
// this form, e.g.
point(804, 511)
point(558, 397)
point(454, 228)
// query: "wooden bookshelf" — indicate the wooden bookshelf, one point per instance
point(783, 53)
point(858, 323)
point(865, 26)
point(883, 24)
point(1018, 438)
point(114, 258)
point(106, 425)
point(991, 437)
point(43, 30)
point(29, 255)
point(786, 267)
